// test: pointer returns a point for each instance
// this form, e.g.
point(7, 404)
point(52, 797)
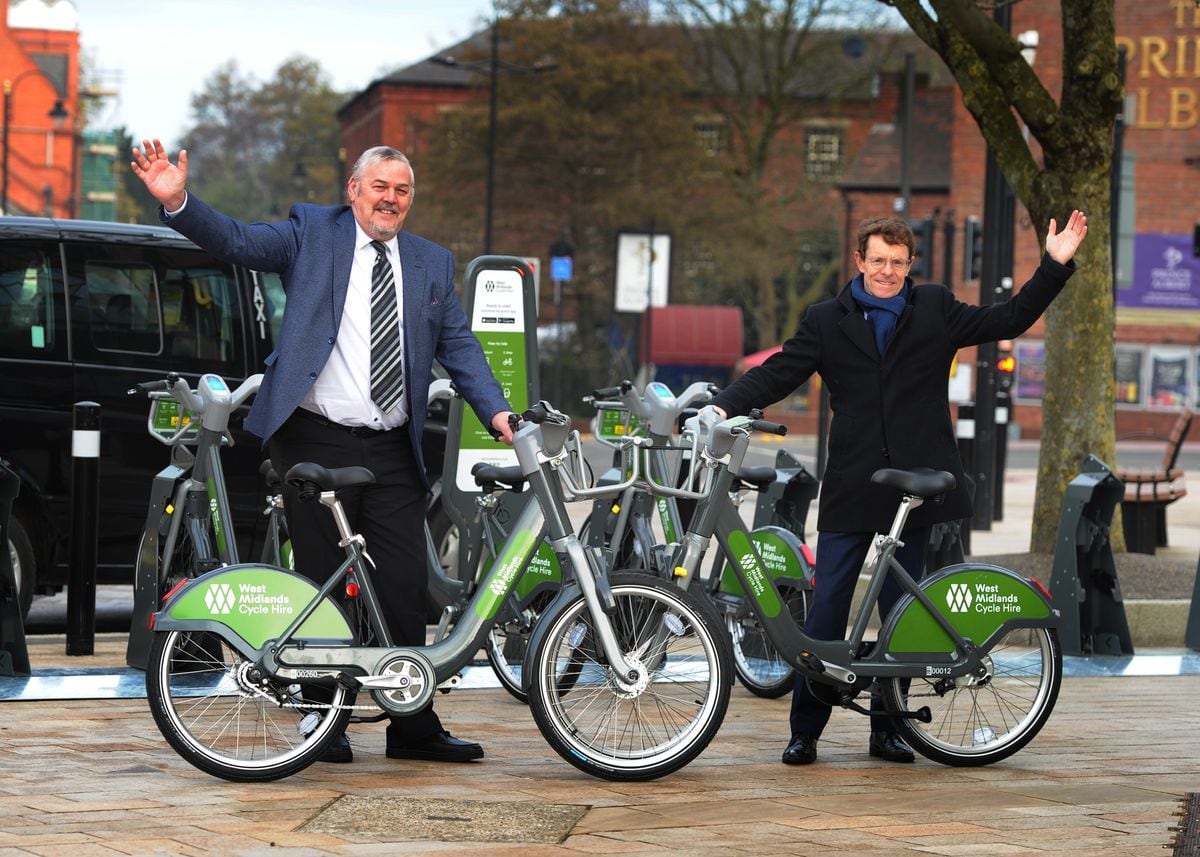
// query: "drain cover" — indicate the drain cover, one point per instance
point(442, 820)
point(1187, 832)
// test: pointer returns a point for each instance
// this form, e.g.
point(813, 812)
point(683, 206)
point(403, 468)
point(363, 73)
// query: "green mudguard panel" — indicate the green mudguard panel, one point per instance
point(779, 550)
point(256, 602)
point(977, 599)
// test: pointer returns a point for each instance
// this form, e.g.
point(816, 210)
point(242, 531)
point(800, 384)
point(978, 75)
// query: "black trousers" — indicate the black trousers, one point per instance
point(388, 514)
point(839, 559)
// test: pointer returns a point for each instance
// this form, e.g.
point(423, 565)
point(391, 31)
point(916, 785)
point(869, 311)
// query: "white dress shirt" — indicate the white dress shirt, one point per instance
point(342, 392)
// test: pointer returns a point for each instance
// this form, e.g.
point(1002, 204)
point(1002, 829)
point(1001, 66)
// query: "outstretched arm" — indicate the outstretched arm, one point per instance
point(1062, 245)
point(166, 182)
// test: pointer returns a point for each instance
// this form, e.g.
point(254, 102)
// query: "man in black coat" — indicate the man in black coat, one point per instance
point(883, 348)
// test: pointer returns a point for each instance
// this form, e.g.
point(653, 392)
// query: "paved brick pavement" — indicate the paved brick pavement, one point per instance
point(93, 777)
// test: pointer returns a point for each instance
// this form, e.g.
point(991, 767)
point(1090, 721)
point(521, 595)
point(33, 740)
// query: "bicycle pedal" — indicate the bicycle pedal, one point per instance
point(349, 682)
point(450, 683)
point(811, 662)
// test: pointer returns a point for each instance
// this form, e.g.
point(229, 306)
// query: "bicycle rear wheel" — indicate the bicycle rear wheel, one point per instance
point(508, 641)
point(759, 666)
point(224, 718)
point(646, 728)
point(977, 721)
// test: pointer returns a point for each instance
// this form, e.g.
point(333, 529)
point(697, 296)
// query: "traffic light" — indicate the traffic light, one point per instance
point(922, 268)
point(1006, 365)
point(973, 249)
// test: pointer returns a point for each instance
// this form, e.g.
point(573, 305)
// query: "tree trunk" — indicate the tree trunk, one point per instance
point(1077, 412)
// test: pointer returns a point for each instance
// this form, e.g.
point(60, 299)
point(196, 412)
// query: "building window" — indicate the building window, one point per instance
point(713, 138)
point(822, 154)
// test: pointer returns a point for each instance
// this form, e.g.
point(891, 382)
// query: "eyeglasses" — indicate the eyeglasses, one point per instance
point(876, 264)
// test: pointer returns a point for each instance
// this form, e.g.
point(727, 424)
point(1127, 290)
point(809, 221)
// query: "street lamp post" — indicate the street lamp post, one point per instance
point(58, 113)
point(493, 67)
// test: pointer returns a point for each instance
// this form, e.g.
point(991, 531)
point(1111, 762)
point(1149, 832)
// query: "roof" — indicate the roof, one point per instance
point(845, 63)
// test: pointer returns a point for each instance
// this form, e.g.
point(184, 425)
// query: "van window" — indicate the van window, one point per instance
point(26, 303)
point(198, 307)
point(272, 287)
point(185, 313)
point(123, 300)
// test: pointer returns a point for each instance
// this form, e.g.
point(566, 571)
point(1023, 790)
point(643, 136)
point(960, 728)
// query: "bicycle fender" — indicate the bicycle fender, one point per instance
point(253, 602)
point(980, 601)
point(780, 552)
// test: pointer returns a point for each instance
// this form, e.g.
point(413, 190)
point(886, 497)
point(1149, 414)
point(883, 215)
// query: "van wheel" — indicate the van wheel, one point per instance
point(20, 553)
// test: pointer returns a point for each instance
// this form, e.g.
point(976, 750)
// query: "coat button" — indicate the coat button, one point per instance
point(332, 340)
point(312, 375)
point(885, 452)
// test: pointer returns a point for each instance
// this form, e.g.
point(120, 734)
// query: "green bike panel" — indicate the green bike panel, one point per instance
point(976, 600)
point(543, 568)
point(668, 524)
point(615, 424)
point(780, 553)
point(502, 577)
point(258, 603)
point(756, 576)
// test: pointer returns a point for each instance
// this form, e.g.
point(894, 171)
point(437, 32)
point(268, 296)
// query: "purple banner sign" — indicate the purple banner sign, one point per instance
point(1165, 274)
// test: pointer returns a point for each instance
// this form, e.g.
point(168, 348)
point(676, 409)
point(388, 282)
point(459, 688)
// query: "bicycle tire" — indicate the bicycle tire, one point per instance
point(980, 721)
point(668, 718)
point(759, 666)
point(202, 704)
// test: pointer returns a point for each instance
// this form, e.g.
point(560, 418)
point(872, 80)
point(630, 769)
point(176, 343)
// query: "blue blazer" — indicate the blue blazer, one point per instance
point(312, 251)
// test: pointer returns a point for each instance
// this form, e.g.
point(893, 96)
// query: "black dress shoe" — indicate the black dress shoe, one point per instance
point(338, 751)
point(890, 747)
point(802, 751)
point(438, 747)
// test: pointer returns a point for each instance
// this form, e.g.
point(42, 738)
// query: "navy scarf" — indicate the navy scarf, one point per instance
point(881, 313)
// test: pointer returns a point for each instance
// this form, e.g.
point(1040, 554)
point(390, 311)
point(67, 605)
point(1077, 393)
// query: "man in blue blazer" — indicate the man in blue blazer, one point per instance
point(368, 309)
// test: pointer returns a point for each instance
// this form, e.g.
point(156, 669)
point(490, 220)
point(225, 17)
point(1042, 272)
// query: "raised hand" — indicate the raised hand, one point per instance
point(165, 181)
point(1062, 245)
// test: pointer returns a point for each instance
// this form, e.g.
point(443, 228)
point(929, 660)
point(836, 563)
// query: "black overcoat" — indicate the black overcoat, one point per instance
point(894, 410)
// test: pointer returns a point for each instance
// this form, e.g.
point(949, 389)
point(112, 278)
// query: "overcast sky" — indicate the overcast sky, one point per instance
point(158, 54)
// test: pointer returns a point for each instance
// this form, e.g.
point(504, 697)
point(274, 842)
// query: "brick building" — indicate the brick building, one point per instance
point(856, 149)
point(40, 143)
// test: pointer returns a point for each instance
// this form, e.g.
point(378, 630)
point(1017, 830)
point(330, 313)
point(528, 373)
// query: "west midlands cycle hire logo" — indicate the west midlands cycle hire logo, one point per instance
point(959, 598)
point(219, 598)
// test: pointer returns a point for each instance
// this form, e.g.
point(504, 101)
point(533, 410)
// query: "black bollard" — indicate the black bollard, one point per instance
point(85, 505)
point(964, 431)
point(1003, 413)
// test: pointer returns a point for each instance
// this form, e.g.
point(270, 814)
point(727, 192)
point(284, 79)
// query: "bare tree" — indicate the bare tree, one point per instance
point(764, 67)
point(1065, 165)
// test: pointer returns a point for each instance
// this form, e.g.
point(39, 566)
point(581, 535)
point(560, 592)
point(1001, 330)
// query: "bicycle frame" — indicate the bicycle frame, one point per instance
point(301, 635)
point(932, 644)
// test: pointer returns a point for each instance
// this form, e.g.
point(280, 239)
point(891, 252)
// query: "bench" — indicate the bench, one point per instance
point(1149, 492)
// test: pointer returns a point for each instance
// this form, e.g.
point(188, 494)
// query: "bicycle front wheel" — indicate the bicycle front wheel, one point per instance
point(640, 728)
point(224, 718)
point(759, 666)
point(980, 720)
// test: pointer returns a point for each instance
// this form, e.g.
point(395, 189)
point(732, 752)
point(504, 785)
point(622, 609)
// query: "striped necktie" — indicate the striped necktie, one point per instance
point(387, 380)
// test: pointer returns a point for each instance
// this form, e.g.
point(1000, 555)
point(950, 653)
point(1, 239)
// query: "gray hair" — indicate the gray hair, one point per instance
point(376, 154)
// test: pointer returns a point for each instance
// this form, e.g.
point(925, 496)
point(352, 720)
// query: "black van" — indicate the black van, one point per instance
point(87, 310)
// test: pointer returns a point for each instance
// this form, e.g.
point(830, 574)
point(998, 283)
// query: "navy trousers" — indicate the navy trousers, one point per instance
point(839, 560)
